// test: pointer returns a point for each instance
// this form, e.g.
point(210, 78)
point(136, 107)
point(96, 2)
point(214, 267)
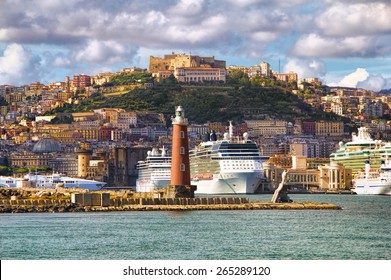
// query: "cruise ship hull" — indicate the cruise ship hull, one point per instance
point(372, 187)
point(229, 183)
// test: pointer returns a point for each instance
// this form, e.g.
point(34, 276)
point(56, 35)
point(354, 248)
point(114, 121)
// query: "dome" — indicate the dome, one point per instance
point(46, 145)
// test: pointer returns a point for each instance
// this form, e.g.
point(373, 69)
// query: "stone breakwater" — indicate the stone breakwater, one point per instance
point(58, 201)
point(256, 205)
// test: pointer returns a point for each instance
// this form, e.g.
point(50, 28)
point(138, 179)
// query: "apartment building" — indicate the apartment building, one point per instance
point(81, 81)
point(323, 128)
point(268, 127)
point(289, 77)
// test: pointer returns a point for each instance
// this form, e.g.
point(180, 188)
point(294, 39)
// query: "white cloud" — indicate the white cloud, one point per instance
point(305, 68)
point(187, 8)
point(357, 19)
point(353, 79)
point(281, 3)
point(61, 61)
point(19, 65)
point(375, 83)
point(104, 51)
point(314, 45)
point(94, 33)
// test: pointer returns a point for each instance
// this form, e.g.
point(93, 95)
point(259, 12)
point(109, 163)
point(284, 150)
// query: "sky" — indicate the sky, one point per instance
point(342, 42)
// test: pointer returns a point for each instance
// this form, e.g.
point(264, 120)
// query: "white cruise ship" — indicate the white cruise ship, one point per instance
point(355, 153)
point(155, 172)
point(375, 182)
point(227, 166)
point(50, 181)
point(55, 180)
point(9, 182)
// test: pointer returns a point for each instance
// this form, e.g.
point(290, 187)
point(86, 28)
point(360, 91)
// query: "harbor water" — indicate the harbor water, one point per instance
point(360, 231)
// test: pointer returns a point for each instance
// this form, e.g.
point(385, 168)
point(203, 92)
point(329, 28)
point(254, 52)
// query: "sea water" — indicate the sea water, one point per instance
point(360, 231)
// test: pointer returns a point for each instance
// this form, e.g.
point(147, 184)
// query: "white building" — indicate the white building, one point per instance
point(265, 69)
point(199, 74)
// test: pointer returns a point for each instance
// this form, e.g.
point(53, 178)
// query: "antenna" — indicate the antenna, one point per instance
point(279, 66)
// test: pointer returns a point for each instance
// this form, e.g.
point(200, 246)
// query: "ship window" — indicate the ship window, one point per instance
point(182, 134)
point(182, 150)
point(182, 167)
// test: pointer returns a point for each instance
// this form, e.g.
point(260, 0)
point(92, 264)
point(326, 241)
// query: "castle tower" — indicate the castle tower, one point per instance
point(180, 165)
point(83, 161)
point(67, 84)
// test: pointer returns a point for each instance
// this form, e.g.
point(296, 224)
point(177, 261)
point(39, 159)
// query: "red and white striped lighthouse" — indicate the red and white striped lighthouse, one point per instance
point(180, 164)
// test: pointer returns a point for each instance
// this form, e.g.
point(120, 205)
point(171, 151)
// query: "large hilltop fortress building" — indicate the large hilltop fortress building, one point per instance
point(188, 68)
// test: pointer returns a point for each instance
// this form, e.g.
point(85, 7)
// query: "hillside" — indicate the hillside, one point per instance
point(219, 103)
point(214, 103)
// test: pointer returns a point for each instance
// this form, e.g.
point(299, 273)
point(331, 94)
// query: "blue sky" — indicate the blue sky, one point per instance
point(343, 42)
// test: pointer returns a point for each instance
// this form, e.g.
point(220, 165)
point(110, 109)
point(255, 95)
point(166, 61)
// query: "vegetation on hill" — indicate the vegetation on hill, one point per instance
point(237, 100)
point(126, 78)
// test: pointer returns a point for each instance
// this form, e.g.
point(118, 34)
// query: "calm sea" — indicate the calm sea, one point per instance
point(360, 231)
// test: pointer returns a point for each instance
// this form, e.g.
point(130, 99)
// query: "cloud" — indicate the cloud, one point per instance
point(375, 83)
point(18, 64)
point(314, 45)
point(280, 3)
point(305, 68)
point(353, 79)
point(187, 8)
point(356, 19)
point(98, 34)
point(362, 79)
point(105, 52)
point(184, 23)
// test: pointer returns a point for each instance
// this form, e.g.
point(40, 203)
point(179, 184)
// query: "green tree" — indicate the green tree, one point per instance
point(4, 170)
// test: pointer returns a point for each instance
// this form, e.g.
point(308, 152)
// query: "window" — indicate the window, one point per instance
point(182, 150)
point(182, 134)
point(183, 167)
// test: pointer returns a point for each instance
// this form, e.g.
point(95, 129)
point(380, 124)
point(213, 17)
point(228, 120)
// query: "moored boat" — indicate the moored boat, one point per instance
point(154, 172)
point(231, 165)
point(50, 181)
point(355, 153)
point(374, 182)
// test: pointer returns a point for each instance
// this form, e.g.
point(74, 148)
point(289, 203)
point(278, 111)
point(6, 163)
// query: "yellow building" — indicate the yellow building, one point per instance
point(290, 77)
point(267, 127)
point(323, 128)
point(90, 133)
point(335, 177)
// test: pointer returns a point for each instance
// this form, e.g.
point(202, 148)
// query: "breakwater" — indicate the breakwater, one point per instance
point(163, 204)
